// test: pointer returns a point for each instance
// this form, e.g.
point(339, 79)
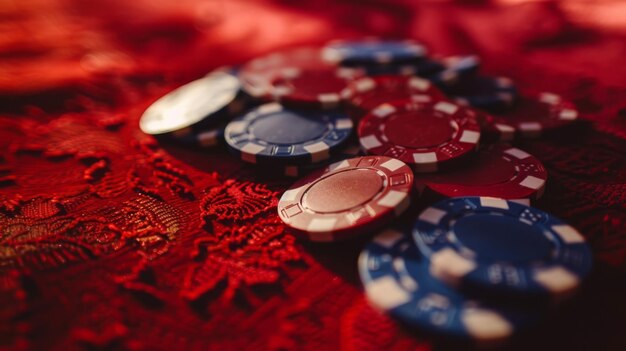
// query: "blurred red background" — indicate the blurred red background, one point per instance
point(112, 241)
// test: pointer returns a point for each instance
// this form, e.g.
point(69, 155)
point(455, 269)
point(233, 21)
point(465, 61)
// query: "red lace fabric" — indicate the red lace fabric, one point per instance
point(111, 240)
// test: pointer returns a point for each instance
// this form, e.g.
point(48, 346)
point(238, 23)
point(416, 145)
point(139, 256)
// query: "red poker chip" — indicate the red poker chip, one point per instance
point(421, 134)
point(347, 198)
point(498, 171)
point(530, 116)
point(319, 86)
point(257, 75)
point(369, 92)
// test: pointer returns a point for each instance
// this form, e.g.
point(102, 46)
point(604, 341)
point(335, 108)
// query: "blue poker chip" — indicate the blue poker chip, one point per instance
point(423, 67)
point(371, 51)
point(397, 280)
point(501, 246)
point(453, 69)
point(272, 133)
point(489, 93)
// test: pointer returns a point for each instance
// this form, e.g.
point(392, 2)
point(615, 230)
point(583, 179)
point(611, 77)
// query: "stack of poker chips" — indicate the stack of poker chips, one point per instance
point(372, 126)
point(474, 267)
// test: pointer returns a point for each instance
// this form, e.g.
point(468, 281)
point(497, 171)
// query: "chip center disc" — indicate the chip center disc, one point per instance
point(418, 130)
point(288, 128)
point(343, 191)
point(502, 238)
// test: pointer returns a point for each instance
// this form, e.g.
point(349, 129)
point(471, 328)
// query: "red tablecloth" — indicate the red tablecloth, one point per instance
point(110, 240)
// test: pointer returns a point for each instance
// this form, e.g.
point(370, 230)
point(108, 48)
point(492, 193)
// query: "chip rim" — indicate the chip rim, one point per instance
point(205, 138)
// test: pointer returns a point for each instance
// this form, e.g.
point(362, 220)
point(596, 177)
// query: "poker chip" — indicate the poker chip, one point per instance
point(501, 246)
point(373, 51)
point(422, 67)
point(207, 138)
point(294, 171)
point(530, 116)
point(498, 171)
point(421, 134)
point(272, 133)
point(347, 198)
point(318, 87)
point(258, 75)
point(490, 93)
point(370, 92)
point(442, 71)
point(397, 280)
point(202, 102)
point(449, 71)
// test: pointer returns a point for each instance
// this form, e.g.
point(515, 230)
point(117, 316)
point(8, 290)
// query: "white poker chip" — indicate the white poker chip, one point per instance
point(191, 104)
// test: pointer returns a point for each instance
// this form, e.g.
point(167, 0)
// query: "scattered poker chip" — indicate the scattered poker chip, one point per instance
point(421, 134)
point(397, 280)
point(452, 69)
point(369, 92)
point(442, 72)
point(272, 133)
point(530, 116)
point(501, 246)
point(294, 171)
point(498, 171)
point(489, 93)
point(488, 131)
point(257, 75)
point(204, 101)
point(373, 51)
point(318, 87)
point(347, 198)
point(423, 67)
